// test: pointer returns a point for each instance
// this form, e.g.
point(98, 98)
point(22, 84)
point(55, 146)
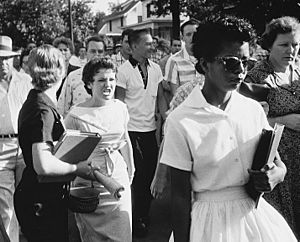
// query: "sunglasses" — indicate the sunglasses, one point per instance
point(233, 64)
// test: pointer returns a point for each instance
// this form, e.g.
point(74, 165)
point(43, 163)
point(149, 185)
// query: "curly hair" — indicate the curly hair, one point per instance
point(92, 68)
point(66, 41)
point(277, 26)
point(212, 35)
point(46, 66)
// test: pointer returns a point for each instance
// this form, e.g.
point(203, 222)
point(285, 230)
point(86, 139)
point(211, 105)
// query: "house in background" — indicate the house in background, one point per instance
point(136, 14)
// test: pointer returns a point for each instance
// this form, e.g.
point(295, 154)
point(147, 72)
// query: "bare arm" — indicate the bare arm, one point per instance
point(44, 163)
point(173, 88)
point(120, 93)
point(291, 121)
point(161, 177)
point(181, 204)
point(161, 101)
point(127, 154)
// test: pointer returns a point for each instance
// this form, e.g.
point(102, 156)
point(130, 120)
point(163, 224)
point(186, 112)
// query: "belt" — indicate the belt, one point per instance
point(6, 136)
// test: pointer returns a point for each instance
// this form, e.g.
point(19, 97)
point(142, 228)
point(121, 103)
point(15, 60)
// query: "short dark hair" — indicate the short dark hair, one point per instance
point(135, 35)
point(189, 22)
point(63, 40)
point(95, 38)
point(282, 25)
point(211, 36)
point(24, 53)
point(92, 67)
point(126, 32)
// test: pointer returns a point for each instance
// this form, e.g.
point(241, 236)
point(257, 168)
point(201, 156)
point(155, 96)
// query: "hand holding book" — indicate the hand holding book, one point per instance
point(264, 174)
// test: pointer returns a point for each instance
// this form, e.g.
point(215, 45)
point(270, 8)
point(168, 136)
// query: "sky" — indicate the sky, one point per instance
point(102, 5)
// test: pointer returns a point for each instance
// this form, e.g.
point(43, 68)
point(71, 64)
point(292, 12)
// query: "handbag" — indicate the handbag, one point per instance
point(83, 199)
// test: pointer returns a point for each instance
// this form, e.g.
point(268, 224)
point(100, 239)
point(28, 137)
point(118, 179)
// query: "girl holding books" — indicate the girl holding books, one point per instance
point(209, 144)
point(41, 208)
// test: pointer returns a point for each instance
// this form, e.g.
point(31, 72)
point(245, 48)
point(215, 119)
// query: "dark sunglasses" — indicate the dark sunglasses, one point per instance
point(233, 63)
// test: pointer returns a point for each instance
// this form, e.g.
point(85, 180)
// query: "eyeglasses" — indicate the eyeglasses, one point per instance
point(232, 63)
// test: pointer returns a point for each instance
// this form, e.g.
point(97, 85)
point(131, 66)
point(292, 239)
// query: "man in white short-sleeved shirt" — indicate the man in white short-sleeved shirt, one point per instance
point(137, 86)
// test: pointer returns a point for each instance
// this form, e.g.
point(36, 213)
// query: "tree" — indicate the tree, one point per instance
point(258, 12)
point(35, 20)
point(83, 20)
point(163, 7)
point(43, 20)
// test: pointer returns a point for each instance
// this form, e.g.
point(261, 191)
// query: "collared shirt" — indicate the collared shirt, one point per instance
point(118, 59)
point(11, 102)
point(216, 146)
point(73, 92)
point(140, 101)
point(180, 68)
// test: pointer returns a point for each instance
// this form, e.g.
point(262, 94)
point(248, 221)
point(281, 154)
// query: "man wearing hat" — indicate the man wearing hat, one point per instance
point(14, 87)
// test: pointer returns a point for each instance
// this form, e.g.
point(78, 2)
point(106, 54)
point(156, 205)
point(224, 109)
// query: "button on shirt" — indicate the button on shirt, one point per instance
point(11, 102)
point(140, 101)
point(216, 146)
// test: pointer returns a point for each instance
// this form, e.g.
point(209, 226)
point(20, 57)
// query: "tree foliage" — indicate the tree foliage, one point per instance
point(258, 12)
point(43, 20)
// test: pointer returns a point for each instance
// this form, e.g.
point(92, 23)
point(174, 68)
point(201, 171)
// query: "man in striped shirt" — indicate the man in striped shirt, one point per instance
point(180, 67)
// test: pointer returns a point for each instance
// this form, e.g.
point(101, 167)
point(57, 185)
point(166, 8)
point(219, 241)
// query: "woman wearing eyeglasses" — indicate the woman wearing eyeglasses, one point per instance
point(281, 38)
point(209, 144)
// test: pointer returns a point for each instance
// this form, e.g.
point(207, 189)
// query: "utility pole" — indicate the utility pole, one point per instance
point(174, 6)
point(71, 22)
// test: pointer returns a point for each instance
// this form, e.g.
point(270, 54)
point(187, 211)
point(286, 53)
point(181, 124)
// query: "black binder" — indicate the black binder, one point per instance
point(264, 156)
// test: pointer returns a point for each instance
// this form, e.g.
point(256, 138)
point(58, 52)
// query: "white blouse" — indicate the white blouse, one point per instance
point(216, 146)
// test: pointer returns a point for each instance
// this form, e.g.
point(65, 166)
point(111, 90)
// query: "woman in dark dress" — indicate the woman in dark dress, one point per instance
point(41, 208)
point(282, 78)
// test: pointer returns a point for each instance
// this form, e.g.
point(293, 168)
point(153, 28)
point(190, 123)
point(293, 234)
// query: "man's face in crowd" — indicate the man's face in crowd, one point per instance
point(6, 66)
point(125, 45)
point(176, 46)
point(64, 49)
point(144, 47)
point(187, 35)
point(95, 48)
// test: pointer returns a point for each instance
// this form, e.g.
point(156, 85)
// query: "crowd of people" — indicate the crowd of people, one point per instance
point(185, 115)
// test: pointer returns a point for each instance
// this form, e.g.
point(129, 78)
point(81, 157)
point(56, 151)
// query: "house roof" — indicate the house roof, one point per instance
point(121, 10)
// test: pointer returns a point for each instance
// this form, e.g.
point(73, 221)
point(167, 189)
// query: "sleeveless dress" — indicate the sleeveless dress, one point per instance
point(112, 219)
point(284, 100)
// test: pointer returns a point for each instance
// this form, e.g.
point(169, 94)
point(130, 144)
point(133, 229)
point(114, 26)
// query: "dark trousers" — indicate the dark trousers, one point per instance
point(145, 152)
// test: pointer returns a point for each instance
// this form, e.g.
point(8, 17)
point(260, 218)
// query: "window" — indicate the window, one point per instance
point(121, 21)
point(110, 25)
point(148, 10)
